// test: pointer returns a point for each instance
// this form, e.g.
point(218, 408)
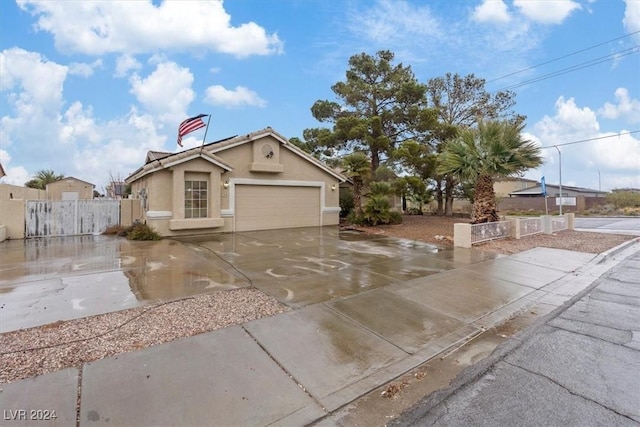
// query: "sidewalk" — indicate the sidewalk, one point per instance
point(298, 367)
point(580, 365)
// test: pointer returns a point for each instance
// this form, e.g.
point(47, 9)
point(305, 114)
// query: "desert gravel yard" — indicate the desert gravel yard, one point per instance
point(30, 352)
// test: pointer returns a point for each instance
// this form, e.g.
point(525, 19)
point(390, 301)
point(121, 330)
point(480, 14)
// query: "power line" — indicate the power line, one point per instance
point(590, 63)
point(592, 139)
point(562, 57)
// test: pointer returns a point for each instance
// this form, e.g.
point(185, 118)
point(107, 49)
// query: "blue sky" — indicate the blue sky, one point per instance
point(87, 88)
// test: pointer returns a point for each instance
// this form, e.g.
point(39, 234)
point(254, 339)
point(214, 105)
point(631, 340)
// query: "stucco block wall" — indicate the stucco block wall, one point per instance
point(130, 210)
point(12, 217)
point(8, 192)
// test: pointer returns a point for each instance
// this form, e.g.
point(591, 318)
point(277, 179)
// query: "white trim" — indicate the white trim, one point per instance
point(196, 156)
point(331, 210)
point(159, 214)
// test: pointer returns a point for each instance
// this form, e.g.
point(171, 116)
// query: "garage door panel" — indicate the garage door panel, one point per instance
point(262, 207)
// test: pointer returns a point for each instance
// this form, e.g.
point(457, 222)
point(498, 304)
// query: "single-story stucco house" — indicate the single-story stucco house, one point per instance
point(251, 182)
point(70, 188)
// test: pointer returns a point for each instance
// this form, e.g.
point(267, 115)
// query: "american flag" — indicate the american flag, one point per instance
point(190, 125)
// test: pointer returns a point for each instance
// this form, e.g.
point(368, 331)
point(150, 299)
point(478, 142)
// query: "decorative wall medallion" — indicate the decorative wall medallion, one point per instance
point(267, 151)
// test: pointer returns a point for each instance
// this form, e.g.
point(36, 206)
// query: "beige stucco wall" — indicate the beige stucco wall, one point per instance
point(55, 189)
point(130, 210)
point(12, 217)
point(8, 192)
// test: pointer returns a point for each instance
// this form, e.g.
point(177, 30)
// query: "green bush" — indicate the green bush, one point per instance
point(346, 203)
point(396, 217)
point(624, 199)
point(377, 211)
point(142, 232)
point(354, 219)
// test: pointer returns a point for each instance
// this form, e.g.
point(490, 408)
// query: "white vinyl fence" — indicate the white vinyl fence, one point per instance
point(466, 235)
point(531, 226)
point(47, 218)
point(490, 231)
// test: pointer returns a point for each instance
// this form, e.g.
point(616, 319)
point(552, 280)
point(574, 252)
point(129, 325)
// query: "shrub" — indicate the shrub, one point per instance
point(346, 203)
point(377, 211)
point(354, 219)
point(142, 232)
point(396, 217)
point(115, 229)
point(624, 199)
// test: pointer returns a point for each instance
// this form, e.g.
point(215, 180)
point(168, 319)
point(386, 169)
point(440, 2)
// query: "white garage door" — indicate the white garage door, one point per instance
point(263, 207)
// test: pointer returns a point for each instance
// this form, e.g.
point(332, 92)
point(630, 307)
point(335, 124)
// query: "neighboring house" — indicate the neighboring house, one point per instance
point(116, 190)
point(251, 182)
point(70, 188)
point(554, 191)
point(505, 186)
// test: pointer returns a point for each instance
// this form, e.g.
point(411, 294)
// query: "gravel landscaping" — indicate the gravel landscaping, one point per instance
point(30, 352)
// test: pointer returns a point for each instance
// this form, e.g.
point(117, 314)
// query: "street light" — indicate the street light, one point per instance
point(560, 173)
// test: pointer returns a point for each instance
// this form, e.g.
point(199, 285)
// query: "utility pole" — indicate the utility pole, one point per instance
point(560, 173)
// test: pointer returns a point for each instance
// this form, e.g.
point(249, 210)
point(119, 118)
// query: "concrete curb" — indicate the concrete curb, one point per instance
point(604, 256)
point(476, 371)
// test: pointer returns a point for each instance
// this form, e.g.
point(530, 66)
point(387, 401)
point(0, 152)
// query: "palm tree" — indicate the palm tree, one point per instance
point(42, 178)
point(357, 167)
point(479, 155)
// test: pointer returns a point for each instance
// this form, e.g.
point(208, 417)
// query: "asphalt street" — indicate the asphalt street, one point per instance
point(612, 225)
point(578, 366)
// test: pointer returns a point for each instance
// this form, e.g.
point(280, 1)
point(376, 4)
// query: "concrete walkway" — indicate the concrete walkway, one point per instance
point(298, 367)
point(579, 366)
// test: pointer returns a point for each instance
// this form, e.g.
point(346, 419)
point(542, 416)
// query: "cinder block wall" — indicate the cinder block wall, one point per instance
point(12, 217)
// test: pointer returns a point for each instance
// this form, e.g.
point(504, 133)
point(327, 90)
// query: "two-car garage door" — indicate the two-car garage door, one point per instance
point(262, 207)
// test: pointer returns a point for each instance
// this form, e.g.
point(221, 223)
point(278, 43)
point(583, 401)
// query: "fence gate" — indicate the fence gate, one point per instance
point(48, 218)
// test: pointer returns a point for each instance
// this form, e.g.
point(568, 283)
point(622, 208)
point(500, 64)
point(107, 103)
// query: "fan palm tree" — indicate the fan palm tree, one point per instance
point(357, 167)
point(479, 155)
point(42, 178)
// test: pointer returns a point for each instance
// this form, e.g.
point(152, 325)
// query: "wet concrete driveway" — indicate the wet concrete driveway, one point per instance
point(46, 280)
point(365, 310)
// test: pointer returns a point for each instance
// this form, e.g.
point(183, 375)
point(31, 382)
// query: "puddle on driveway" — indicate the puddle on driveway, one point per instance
point(46, 280)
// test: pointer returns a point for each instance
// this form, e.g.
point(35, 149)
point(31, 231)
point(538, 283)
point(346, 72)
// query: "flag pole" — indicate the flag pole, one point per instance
point(205, 132)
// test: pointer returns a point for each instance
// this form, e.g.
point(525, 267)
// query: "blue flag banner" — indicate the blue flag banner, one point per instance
point(544, 187)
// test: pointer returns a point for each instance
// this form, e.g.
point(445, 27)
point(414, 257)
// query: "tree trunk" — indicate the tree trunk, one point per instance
point(450, 184)
point(375, 161)
point(357, 195)
point(484, 205)
point(440, 198)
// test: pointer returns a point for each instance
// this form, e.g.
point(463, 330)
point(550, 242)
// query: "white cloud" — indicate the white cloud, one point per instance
point(492, 11)
point(36, 130)
point(631, 20)
point(615, 154)
point(166, 92)
point(569, 123)
point(84, 69)
point(96, 28)
point(14, 175)
point(625, 107)
point(218, 95)
point(24, 72)
point(392, 19)
point(124, 64)
point(547, 12)
point(619, 152)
